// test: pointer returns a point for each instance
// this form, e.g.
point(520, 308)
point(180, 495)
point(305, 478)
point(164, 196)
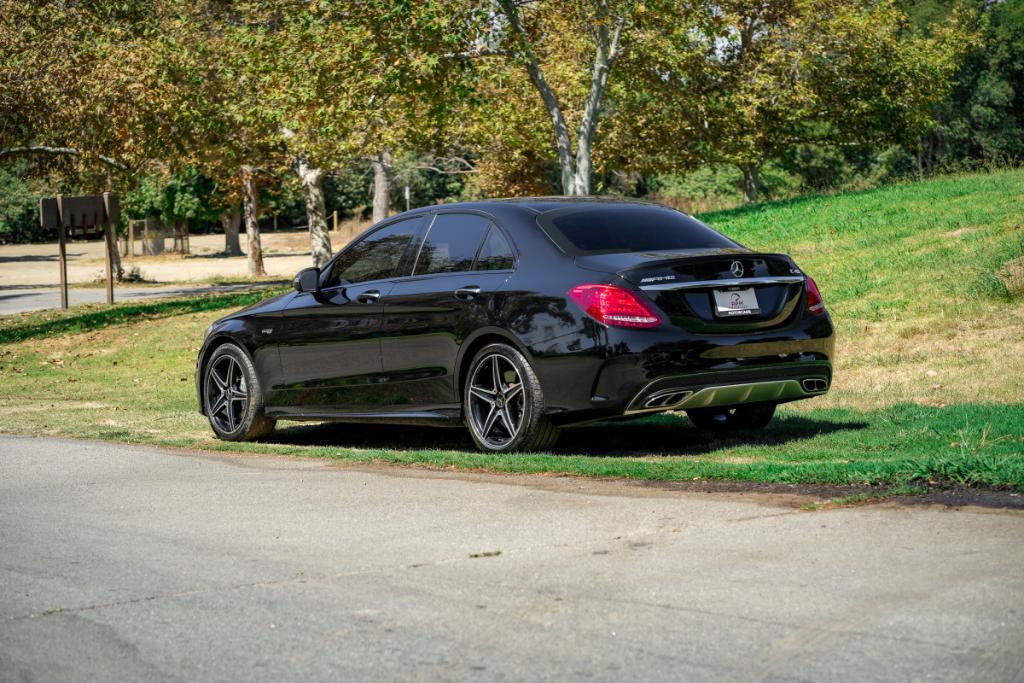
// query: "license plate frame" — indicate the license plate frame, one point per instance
point(735, 301)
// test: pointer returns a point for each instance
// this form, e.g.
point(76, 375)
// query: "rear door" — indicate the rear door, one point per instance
point(329, 341)
point(463, 261)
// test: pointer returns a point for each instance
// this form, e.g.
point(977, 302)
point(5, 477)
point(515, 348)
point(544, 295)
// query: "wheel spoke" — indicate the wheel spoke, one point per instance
point(496, 373)
point(219, 404)
point(232, 422)
point(513, 391)
point(482, 394)
point(510, 426)
point(217, 379)
point(492, 417)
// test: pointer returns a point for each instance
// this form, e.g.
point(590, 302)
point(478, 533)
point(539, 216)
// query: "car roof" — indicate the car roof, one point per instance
point(540, 205)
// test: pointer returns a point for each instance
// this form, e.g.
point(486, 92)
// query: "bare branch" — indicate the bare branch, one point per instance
point(477, 54)
point(57, 151)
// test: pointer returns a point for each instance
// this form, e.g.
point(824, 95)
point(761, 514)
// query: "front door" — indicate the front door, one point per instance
point(329, 342)
point(463, 262)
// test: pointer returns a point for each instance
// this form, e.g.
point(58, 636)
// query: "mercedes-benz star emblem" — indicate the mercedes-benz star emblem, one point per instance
point(737, 269)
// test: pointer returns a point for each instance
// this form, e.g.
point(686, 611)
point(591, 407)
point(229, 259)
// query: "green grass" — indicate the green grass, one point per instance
point(897, 251)
point(929, 387)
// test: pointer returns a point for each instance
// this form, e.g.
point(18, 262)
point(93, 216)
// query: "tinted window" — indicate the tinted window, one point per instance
point(451, 244)
point(495, 254)
point(375, 257)
point(630, 228)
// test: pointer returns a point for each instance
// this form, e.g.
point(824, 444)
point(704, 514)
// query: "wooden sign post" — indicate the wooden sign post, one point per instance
point(91, 213)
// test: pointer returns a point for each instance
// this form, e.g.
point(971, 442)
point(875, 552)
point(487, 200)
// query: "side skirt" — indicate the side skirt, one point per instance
point(443, 417)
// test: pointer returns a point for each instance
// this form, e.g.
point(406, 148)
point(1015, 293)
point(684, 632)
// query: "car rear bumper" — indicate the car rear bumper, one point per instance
point(705, 390)
point(636, 371)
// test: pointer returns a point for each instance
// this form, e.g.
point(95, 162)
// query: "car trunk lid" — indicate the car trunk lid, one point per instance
point(711, 290)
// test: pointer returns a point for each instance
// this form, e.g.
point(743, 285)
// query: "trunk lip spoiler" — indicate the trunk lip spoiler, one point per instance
point(738, 282)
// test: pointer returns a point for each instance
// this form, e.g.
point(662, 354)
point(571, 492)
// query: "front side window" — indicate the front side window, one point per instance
point(375, 257)
point(451, 244)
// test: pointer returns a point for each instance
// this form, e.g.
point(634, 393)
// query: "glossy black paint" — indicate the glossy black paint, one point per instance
point(397, 349)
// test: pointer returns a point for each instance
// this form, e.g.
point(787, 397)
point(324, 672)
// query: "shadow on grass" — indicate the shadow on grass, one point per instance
point(48, 323)
point(668, 434)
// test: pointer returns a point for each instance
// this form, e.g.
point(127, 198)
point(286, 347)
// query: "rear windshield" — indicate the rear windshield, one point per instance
point(614, 229)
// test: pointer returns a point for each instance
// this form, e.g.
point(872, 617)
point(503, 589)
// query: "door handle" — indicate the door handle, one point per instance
point(467, 293)
point(370, 296)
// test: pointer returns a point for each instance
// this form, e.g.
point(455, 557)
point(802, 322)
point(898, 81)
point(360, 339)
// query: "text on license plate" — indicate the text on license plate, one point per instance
point(730, 302)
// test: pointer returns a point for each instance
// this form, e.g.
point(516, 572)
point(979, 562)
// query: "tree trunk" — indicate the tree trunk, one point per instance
point(576, 169)
point(252, 226)
point(316, 213)
point(229, 220)
point(751, 182)
point(115, 261)
point(381, 185)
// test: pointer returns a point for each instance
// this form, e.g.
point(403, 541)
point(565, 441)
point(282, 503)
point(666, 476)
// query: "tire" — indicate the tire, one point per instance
point(504, 407)
point(747, 417)
point(232, 396)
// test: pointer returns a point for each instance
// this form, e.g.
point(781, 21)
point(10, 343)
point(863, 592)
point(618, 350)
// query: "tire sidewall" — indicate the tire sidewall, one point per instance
point(534, 398)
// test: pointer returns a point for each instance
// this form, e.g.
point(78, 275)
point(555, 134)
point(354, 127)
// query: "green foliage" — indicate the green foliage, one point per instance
point(722, 184)
point(982, 120)
point(187, 195)
point(19, 205)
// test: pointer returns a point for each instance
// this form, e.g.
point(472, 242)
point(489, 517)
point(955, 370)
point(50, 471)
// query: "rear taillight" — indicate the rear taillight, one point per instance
point(815, 304)
point(613, 305)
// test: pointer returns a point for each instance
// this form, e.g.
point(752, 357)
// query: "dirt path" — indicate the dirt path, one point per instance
point(35, 265)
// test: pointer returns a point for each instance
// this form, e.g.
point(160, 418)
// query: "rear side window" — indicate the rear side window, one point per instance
point(614, 229)
point(452, 243)
point(375, 257)
point(495, 254)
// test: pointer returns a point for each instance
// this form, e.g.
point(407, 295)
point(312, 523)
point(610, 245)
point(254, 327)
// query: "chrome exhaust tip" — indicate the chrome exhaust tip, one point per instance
point(814, 385)
point(667, 399)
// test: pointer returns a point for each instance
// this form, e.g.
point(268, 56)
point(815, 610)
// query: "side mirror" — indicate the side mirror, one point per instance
point(307, 280)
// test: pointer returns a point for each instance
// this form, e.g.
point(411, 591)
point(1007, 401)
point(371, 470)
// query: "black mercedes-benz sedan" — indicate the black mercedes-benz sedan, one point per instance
point(517, 317)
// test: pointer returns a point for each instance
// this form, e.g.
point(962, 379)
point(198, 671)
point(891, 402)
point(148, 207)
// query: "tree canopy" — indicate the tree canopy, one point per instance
point(500, 97)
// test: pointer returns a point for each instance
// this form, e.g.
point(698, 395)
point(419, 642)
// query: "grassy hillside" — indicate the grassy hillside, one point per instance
point(929, 384)
point(925, 281)
point(933, 247)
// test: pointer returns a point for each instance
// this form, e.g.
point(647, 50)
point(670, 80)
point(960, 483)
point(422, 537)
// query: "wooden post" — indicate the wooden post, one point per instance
point(111, 213)
point(108, 242)
point(61, 243)
point(335, 220)
point(131, 238)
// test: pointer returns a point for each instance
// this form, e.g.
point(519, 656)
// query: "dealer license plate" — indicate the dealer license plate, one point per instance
point(732, 302)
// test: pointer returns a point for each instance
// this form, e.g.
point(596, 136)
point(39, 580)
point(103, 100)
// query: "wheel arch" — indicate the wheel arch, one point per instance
point(478, 340)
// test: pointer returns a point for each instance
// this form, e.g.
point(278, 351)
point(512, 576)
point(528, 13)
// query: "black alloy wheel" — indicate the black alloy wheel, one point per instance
point(503, 403)
point(232, 398)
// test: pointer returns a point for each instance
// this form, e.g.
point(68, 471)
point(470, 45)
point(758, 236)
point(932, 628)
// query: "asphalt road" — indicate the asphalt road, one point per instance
point(121, 563)
point(22, 299)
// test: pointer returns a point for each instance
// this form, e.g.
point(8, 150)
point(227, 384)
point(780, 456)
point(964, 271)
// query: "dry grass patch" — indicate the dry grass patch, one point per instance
point(936, 361)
